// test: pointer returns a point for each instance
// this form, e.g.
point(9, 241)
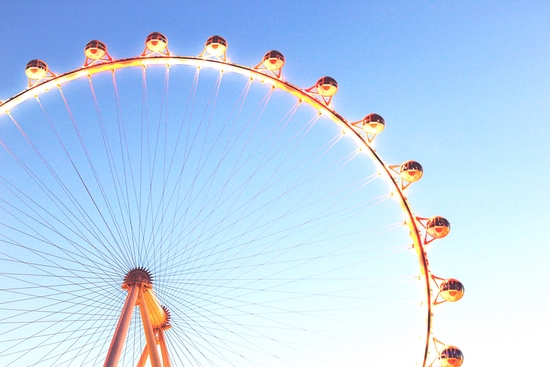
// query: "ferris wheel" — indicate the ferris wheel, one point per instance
point(164, 210)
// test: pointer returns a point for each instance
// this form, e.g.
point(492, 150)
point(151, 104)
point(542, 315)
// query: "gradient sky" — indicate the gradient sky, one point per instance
point(464, 88)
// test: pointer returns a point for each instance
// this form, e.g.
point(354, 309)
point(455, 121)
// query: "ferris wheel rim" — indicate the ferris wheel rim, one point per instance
point(275, 82)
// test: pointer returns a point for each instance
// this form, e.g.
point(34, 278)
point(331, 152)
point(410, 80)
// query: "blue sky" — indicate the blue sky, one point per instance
point(464, 88)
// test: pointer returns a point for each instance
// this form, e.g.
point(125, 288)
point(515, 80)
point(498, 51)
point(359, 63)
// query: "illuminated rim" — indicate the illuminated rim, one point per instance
point(225, 66)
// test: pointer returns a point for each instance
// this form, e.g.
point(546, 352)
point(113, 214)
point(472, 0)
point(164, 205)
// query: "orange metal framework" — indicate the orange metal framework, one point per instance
point(154, 317)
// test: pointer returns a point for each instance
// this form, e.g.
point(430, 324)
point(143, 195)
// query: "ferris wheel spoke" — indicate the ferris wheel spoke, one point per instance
point(126, 166)
point(249, 335)
point(211, 336)
point(208, 199)
point(121, 193)
point(153, 133)
point(82, 218)
point(235, 195)
point(196, 221)
point(268, 223)
point(175, 195)
point(79, 254)
point(108, 218)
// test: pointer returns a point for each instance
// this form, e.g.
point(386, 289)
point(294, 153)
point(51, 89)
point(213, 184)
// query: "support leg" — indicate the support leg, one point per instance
point(149, 336)
point(164, 349)
point(117, 344)
point(143, 358)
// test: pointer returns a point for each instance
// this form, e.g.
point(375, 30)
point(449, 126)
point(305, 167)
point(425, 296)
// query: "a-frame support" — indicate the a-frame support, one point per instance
point(154, 317)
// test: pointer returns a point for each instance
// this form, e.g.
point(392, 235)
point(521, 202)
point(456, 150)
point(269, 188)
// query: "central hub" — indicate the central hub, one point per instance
point(142, 278)
point(138, 276)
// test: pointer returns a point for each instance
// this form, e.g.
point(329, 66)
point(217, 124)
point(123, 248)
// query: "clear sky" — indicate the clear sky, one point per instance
point(463, 86)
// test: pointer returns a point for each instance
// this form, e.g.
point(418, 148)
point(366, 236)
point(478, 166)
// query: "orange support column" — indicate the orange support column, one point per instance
point(164, 349)
point(149, 336)
point(143, 358)
point(117, 344)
